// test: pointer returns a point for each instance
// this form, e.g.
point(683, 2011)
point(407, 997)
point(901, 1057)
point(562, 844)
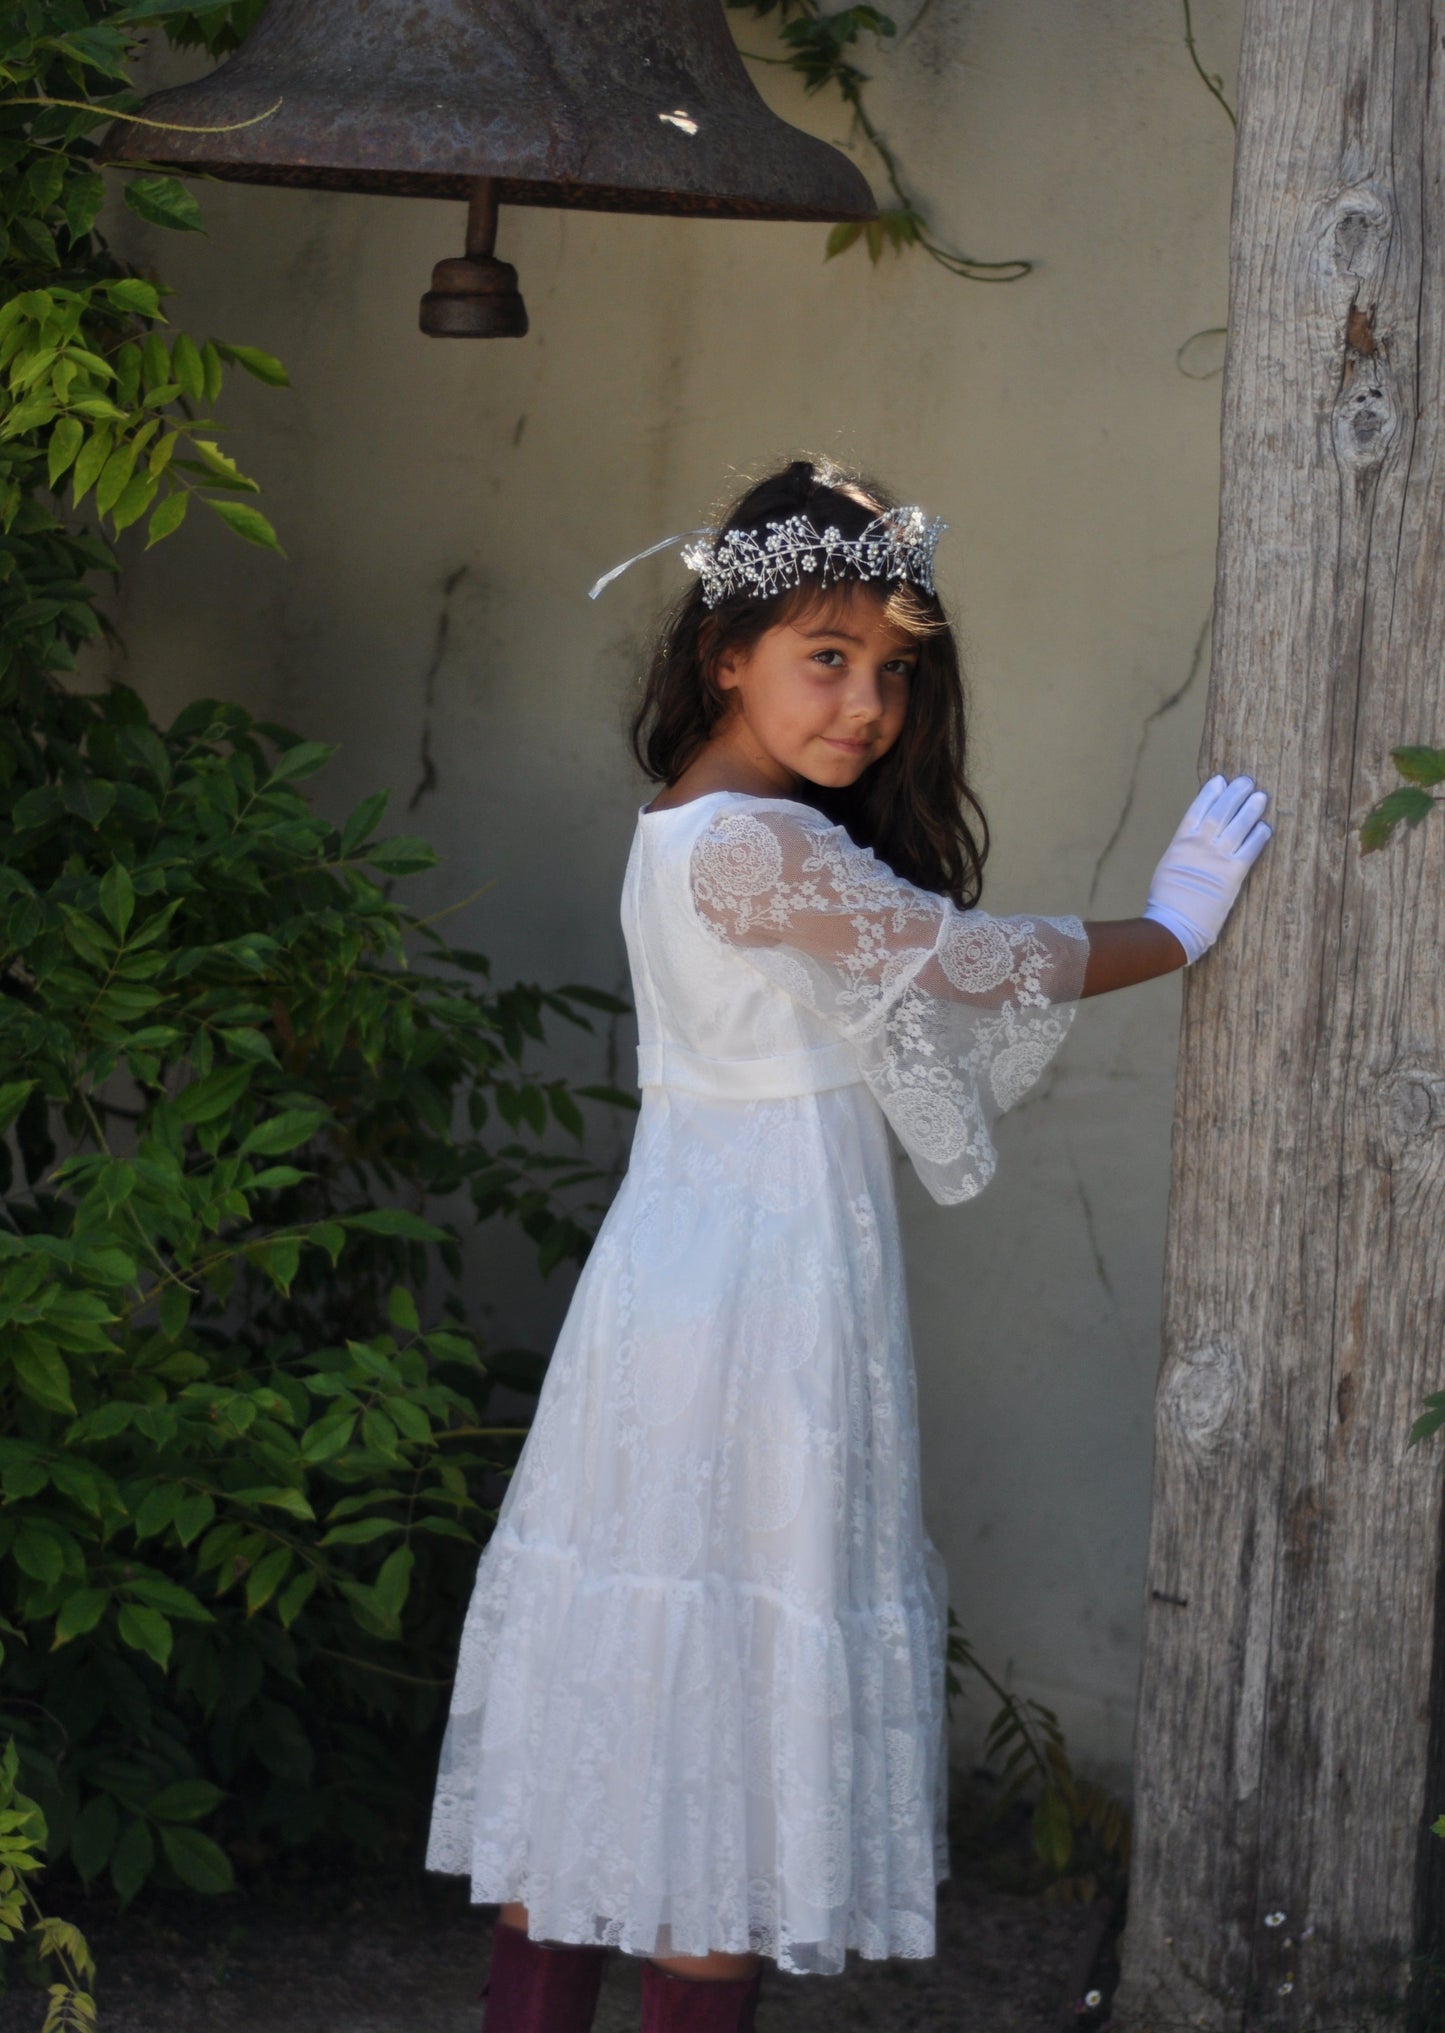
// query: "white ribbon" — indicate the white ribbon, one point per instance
point(652, 550)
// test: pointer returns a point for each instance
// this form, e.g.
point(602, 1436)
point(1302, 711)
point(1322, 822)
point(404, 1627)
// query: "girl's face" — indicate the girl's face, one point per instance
point(821, 696)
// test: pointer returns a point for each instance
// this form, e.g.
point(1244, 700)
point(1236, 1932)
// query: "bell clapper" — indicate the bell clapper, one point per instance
point(474, 296)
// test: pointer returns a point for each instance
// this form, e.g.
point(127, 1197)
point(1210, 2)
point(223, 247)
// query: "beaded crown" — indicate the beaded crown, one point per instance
point(898, 544)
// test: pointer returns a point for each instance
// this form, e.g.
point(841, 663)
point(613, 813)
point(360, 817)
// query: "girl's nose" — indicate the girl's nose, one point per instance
point(866, 699)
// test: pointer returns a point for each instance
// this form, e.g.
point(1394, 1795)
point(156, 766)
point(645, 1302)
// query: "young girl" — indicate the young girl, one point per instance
point(699, 1707)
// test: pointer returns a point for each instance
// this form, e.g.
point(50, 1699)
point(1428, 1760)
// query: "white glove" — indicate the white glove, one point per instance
point(1219, 840)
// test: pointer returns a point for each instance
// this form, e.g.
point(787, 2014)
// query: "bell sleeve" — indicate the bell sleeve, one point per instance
point(951, 1014)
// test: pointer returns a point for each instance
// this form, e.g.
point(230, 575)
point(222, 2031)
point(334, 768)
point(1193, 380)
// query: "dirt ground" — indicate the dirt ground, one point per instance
point(371, 1955)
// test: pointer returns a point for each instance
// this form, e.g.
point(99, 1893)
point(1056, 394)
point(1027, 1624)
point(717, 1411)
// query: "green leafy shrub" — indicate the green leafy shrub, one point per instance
point(243, 1482)
point(23, 1839)
point(1080, 1831)
point(98, 398)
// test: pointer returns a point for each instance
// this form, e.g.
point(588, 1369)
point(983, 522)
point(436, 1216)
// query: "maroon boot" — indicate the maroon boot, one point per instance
point(541, 1986)
point(678, 2004)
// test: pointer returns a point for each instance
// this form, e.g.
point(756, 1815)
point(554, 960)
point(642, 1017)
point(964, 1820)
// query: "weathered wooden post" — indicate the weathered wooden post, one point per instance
point(1288, 1760)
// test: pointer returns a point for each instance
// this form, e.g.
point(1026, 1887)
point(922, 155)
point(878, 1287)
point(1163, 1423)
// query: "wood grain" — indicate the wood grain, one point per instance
point(1284, 1760)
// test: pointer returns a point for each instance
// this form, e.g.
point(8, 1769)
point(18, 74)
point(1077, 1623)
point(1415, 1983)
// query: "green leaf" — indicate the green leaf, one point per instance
point(92, 1837)
point(216, 465)
point(157, 1509)
point(13, 1094)
point(1406, 806)
point(1420, 765)
point(842, 237)
point(295, 1595)
point(278, 1259)
point(328, 1437)
point(167, 1595)
point(1053, 1830)
point(187, 367)
point(134, 1859)
point(164, 201)
point(264, 366)
point(117, 897)
point(66, 440)
point(401, 1310)
point(246, 1042)
point(145, 1630)
point(246, 522)
point(402, 856)
point(115, 475)
point(301, 759)
point(37, 1553)
point(84, 196)
point(185, 1800)
point(215, 1096)
point(394, 1581)
point(411, 1420)
point(193, 1515)
point(80, 1613)
point(175, 1311)
point(168, 518)
point(281, 1499)
point(282, 1133)
point(361, 1532)
point(132, 294)
point(93, 455)
point(133, 500)
point(266, 1577)
point(196, 1860)
point(328, 1235)
point(396, 1221)
point(42, 1375)
point(363, 822)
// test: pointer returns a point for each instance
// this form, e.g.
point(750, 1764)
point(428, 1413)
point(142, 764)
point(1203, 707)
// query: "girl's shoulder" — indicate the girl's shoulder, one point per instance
point(710, 803)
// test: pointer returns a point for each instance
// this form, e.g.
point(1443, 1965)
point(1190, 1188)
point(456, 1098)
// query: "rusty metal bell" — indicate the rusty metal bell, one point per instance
point(604, 105)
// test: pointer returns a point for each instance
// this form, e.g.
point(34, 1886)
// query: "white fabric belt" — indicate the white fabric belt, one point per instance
point(807, 1072)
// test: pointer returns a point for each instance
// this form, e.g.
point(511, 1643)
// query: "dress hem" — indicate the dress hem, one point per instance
point(607, 1936)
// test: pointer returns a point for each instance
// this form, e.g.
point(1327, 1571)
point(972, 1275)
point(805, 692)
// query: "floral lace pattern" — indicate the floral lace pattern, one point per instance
point(952, 1014)
point(699, 1701)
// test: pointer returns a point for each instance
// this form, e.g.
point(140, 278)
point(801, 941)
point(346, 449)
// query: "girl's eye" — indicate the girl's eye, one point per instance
point(819, 655)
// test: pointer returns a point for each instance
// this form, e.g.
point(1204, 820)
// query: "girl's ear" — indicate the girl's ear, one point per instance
point(723, 672)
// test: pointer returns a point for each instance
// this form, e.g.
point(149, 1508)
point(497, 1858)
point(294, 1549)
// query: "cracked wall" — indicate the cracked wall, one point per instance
point(446, 505)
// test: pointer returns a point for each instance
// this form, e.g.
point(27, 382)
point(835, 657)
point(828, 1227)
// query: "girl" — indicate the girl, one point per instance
point(699, 1705)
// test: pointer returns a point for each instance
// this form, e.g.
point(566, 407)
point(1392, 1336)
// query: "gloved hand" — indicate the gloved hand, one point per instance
point(1219, 840)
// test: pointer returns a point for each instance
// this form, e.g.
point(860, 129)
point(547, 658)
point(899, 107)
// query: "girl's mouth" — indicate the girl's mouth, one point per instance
point(850, 747)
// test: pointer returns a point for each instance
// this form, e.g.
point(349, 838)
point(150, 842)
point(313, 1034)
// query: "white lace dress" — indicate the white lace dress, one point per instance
point(699, 1702)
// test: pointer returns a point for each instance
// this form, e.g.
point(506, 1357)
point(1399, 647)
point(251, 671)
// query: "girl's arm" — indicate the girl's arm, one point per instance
point(1125, 950)
point(1218, 841)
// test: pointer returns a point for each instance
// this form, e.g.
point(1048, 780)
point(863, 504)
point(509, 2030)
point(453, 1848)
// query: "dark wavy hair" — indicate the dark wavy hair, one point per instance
point(913, 806)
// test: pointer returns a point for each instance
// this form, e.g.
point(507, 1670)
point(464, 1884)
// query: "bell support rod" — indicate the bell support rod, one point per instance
point(482, 220)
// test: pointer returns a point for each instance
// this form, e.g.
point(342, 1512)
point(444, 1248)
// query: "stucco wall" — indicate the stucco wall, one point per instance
point(446, 505)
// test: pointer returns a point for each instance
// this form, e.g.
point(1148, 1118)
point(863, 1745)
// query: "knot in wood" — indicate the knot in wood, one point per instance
point(1411, 1102)
point(1356, 231)
point(1199, 1390)
point(1366, 417)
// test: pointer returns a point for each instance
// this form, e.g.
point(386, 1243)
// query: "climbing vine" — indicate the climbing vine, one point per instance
point(822, 49)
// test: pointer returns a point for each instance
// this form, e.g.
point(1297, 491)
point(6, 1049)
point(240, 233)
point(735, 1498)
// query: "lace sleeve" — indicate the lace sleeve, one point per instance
point(952, 1014)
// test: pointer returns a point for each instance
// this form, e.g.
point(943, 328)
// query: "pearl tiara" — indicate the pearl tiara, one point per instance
point(898, 544)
